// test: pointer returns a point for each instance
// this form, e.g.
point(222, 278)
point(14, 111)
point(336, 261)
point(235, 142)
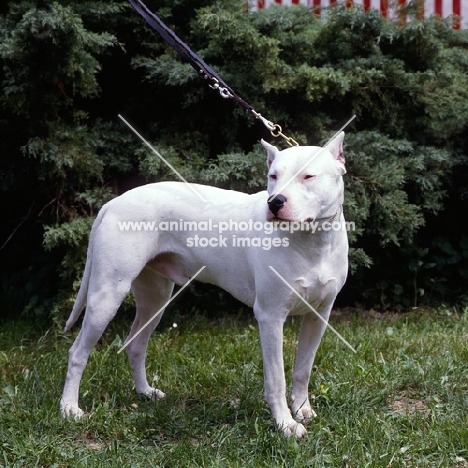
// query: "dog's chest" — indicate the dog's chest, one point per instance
point(316, 276)
point(317, 290)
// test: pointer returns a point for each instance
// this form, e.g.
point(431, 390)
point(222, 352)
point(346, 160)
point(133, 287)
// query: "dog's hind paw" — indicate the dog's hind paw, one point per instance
point(71, 411)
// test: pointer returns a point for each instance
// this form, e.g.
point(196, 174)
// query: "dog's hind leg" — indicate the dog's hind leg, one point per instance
point(102, 306)
point(152, 291)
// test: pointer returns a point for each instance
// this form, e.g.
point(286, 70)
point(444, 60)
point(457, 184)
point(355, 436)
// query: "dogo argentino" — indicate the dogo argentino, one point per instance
point(304, 184)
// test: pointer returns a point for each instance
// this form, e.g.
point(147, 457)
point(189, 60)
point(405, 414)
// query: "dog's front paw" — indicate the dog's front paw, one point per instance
point(302, 412)
point(71, 411)
point(153, 393)
point(293, 429)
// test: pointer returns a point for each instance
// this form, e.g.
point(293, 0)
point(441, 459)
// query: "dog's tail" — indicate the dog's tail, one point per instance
point(81, 298)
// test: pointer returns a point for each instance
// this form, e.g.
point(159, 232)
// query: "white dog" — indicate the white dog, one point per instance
point(304, 185)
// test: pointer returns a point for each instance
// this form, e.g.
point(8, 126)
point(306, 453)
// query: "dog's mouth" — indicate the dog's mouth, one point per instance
point(278, 219)
point(272, 218)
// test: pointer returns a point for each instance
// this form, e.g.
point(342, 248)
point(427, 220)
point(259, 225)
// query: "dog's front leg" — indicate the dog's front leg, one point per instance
point(271, 338)
point(310, 335)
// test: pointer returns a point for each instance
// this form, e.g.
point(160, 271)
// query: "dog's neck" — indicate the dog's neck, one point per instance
point(327, 219)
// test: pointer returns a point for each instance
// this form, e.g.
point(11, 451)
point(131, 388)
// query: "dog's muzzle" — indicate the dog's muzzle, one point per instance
point(275, 204)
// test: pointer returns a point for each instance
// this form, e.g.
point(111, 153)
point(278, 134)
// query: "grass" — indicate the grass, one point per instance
point(401, 401)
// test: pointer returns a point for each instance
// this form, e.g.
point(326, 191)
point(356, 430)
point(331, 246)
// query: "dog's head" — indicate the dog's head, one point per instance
point(305, 182)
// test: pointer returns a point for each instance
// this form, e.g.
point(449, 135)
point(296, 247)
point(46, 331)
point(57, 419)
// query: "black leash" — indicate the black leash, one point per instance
point(215, 81)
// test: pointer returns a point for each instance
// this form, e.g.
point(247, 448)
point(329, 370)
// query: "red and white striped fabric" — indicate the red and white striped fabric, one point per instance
point(441, 8)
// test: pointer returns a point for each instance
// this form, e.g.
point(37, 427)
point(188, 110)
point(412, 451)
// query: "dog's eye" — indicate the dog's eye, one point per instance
point(273, 176)
point(308, 177)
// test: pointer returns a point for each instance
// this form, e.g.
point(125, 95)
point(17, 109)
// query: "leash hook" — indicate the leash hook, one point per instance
point(223, 92)
point(275, 129)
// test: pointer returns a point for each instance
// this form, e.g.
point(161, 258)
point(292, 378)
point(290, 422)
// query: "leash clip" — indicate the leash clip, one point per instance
point(278, 132)
point(223, 92)
point(275, 129)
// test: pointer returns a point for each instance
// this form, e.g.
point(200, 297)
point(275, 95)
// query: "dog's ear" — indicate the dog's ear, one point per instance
point(336, 149)
point(271, 150)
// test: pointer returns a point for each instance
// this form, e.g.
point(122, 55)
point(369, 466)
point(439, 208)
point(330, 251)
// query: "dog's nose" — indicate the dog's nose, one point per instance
point(275, 204)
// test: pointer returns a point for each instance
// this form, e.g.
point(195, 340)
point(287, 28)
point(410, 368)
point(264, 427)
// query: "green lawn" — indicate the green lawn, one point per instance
point(401, 401)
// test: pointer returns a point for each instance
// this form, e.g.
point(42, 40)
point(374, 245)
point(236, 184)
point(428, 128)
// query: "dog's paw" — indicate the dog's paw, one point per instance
point(293, 429)
point(71, 411)
point(153, 393)
point(305, 414)
point(302, 412)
